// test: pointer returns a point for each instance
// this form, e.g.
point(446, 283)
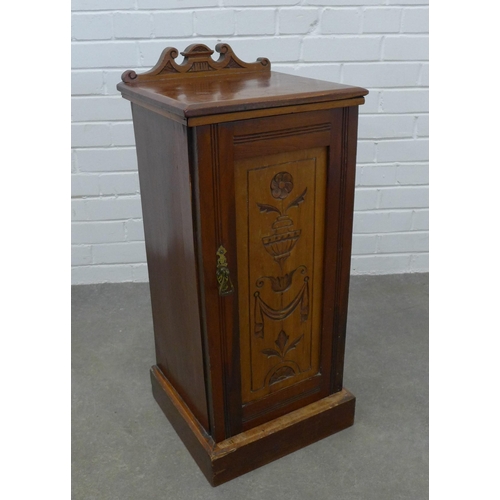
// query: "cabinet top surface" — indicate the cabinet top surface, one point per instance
point(201, 86)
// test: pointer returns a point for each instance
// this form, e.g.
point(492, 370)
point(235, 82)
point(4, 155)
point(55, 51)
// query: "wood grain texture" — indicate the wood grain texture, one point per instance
point(194, 436)
point(221, 462)
point(219, 378)
point(261, 113)
point(293, 431)
point(202, 87)
point(281, 134)
point(271, 144)
point(214, 178)
point(280, 227)
point(345, 168)
point(162, 152)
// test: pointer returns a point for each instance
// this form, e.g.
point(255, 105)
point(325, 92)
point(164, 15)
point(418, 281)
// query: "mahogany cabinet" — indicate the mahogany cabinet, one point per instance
point(247, 187)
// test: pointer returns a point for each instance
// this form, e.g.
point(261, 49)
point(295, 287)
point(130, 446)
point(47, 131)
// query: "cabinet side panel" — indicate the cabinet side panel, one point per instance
point(162, 152)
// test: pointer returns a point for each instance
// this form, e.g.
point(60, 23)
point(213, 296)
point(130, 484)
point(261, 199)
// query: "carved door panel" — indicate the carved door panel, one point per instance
point(280, 203)
point(274, 194)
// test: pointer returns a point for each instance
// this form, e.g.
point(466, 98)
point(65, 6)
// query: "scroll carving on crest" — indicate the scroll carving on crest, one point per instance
point(197, 59)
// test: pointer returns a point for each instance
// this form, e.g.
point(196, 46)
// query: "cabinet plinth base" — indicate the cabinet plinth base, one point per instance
point(223, 461)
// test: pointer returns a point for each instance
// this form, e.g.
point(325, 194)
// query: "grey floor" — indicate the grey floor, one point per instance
point(124, 448)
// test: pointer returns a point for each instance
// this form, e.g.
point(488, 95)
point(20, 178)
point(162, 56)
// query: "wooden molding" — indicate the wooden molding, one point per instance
point(225, 460)
point(260, 113)
point(197, 62)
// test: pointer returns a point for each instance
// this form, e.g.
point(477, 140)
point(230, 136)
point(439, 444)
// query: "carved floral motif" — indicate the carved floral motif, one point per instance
point(281, 185)
point(282, 342)
point(279, 245)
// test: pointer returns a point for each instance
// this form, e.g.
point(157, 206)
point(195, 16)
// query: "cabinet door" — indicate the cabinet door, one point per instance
point(275, 221)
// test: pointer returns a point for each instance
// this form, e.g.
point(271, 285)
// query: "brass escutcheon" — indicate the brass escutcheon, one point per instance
point(223, 278)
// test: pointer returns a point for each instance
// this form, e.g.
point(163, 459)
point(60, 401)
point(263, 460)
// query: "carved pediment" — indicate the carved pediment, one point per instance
point(197, 62)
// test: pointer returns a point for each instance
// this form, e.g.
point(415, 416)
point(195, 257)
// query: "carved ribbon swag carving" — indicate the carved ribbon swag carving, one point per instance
point(261, 308)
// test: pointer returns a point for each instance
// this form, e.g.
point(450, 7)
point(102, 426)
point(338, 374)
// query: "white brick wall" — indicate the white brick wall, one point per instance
point(379, 44)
